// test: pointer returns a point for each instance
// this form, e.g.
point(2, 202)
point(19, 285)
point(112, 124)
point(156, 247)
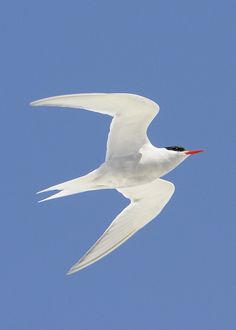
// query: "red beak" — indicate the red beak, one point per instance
point(191, 152)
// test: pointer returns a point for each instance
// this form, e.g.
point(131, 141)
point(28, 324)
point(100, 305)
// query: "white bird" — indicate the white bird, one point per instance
point(133, 166)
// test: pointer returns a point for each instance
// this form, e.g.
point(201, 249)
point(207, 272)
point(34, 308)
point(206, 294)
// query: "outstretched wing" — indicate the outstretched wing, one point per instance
point(147, 201)
point(132, 116)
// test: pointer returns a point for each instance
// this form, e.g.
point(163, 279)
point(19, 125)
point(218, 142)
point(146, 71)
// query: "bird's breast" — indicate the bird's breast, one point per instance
point(132, 170)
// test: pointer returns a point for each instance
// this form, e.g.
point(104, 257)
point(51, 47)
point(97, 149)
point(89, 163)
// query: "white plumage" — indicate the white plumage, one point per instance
point(133, 166)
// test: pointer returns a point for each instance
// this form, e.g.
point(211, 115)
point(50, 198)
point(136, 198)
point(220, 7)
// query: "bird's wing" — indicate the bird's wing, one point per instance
point(147, 201)
point(132, 116)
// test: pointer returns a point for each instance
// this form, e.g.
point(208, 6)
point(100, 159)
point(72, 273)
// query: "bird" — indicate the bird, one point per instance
point(132, 166)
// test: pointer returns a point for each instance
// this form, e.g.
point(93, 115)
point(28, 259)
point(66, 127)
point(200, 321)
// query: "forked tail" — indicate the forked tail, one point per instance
point(84, 183)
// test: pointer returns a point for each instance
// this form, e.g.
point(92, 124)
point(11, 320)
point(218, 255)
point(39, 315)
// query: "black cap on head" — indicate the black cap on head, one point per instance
point(175, 148)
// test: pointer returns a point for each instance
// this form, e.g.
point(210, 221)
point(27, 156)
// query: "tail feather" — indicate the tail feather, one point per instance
point(84, 183)
point(57, 195)
point(72, 184)
point(48, 189)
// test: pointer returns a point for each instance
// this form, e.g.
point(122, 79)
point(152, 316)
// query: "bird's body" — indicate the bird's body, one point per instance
point(133, 166)
point(145, 166)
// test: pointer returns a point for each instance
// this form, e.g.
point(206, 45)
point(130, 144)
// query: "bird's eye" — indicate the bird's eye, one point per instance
point(175, 148)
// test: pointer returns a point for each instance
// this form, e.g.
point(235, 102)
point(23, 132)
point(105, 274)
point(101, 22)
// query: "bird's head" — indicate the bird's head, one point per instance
point(176, 155)
point(182, 151)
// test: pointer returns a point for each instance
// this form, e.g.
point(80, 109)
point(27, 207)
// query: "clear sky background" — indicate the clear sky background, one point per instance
point(179, 272)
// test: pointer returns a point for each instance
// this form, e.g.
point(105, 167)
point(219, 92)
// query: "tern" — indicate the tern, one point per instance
point(133, 166)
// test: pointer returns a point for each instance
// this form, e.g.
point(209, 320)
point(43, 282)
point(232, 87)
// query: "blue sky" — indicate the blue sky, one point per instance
point(179, 272)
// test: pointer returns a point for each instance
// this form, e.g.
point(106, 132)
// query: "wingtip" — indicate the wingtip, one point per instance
point(76, 268)
point(34, 103)
point(40, 102)
point(72, 271)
